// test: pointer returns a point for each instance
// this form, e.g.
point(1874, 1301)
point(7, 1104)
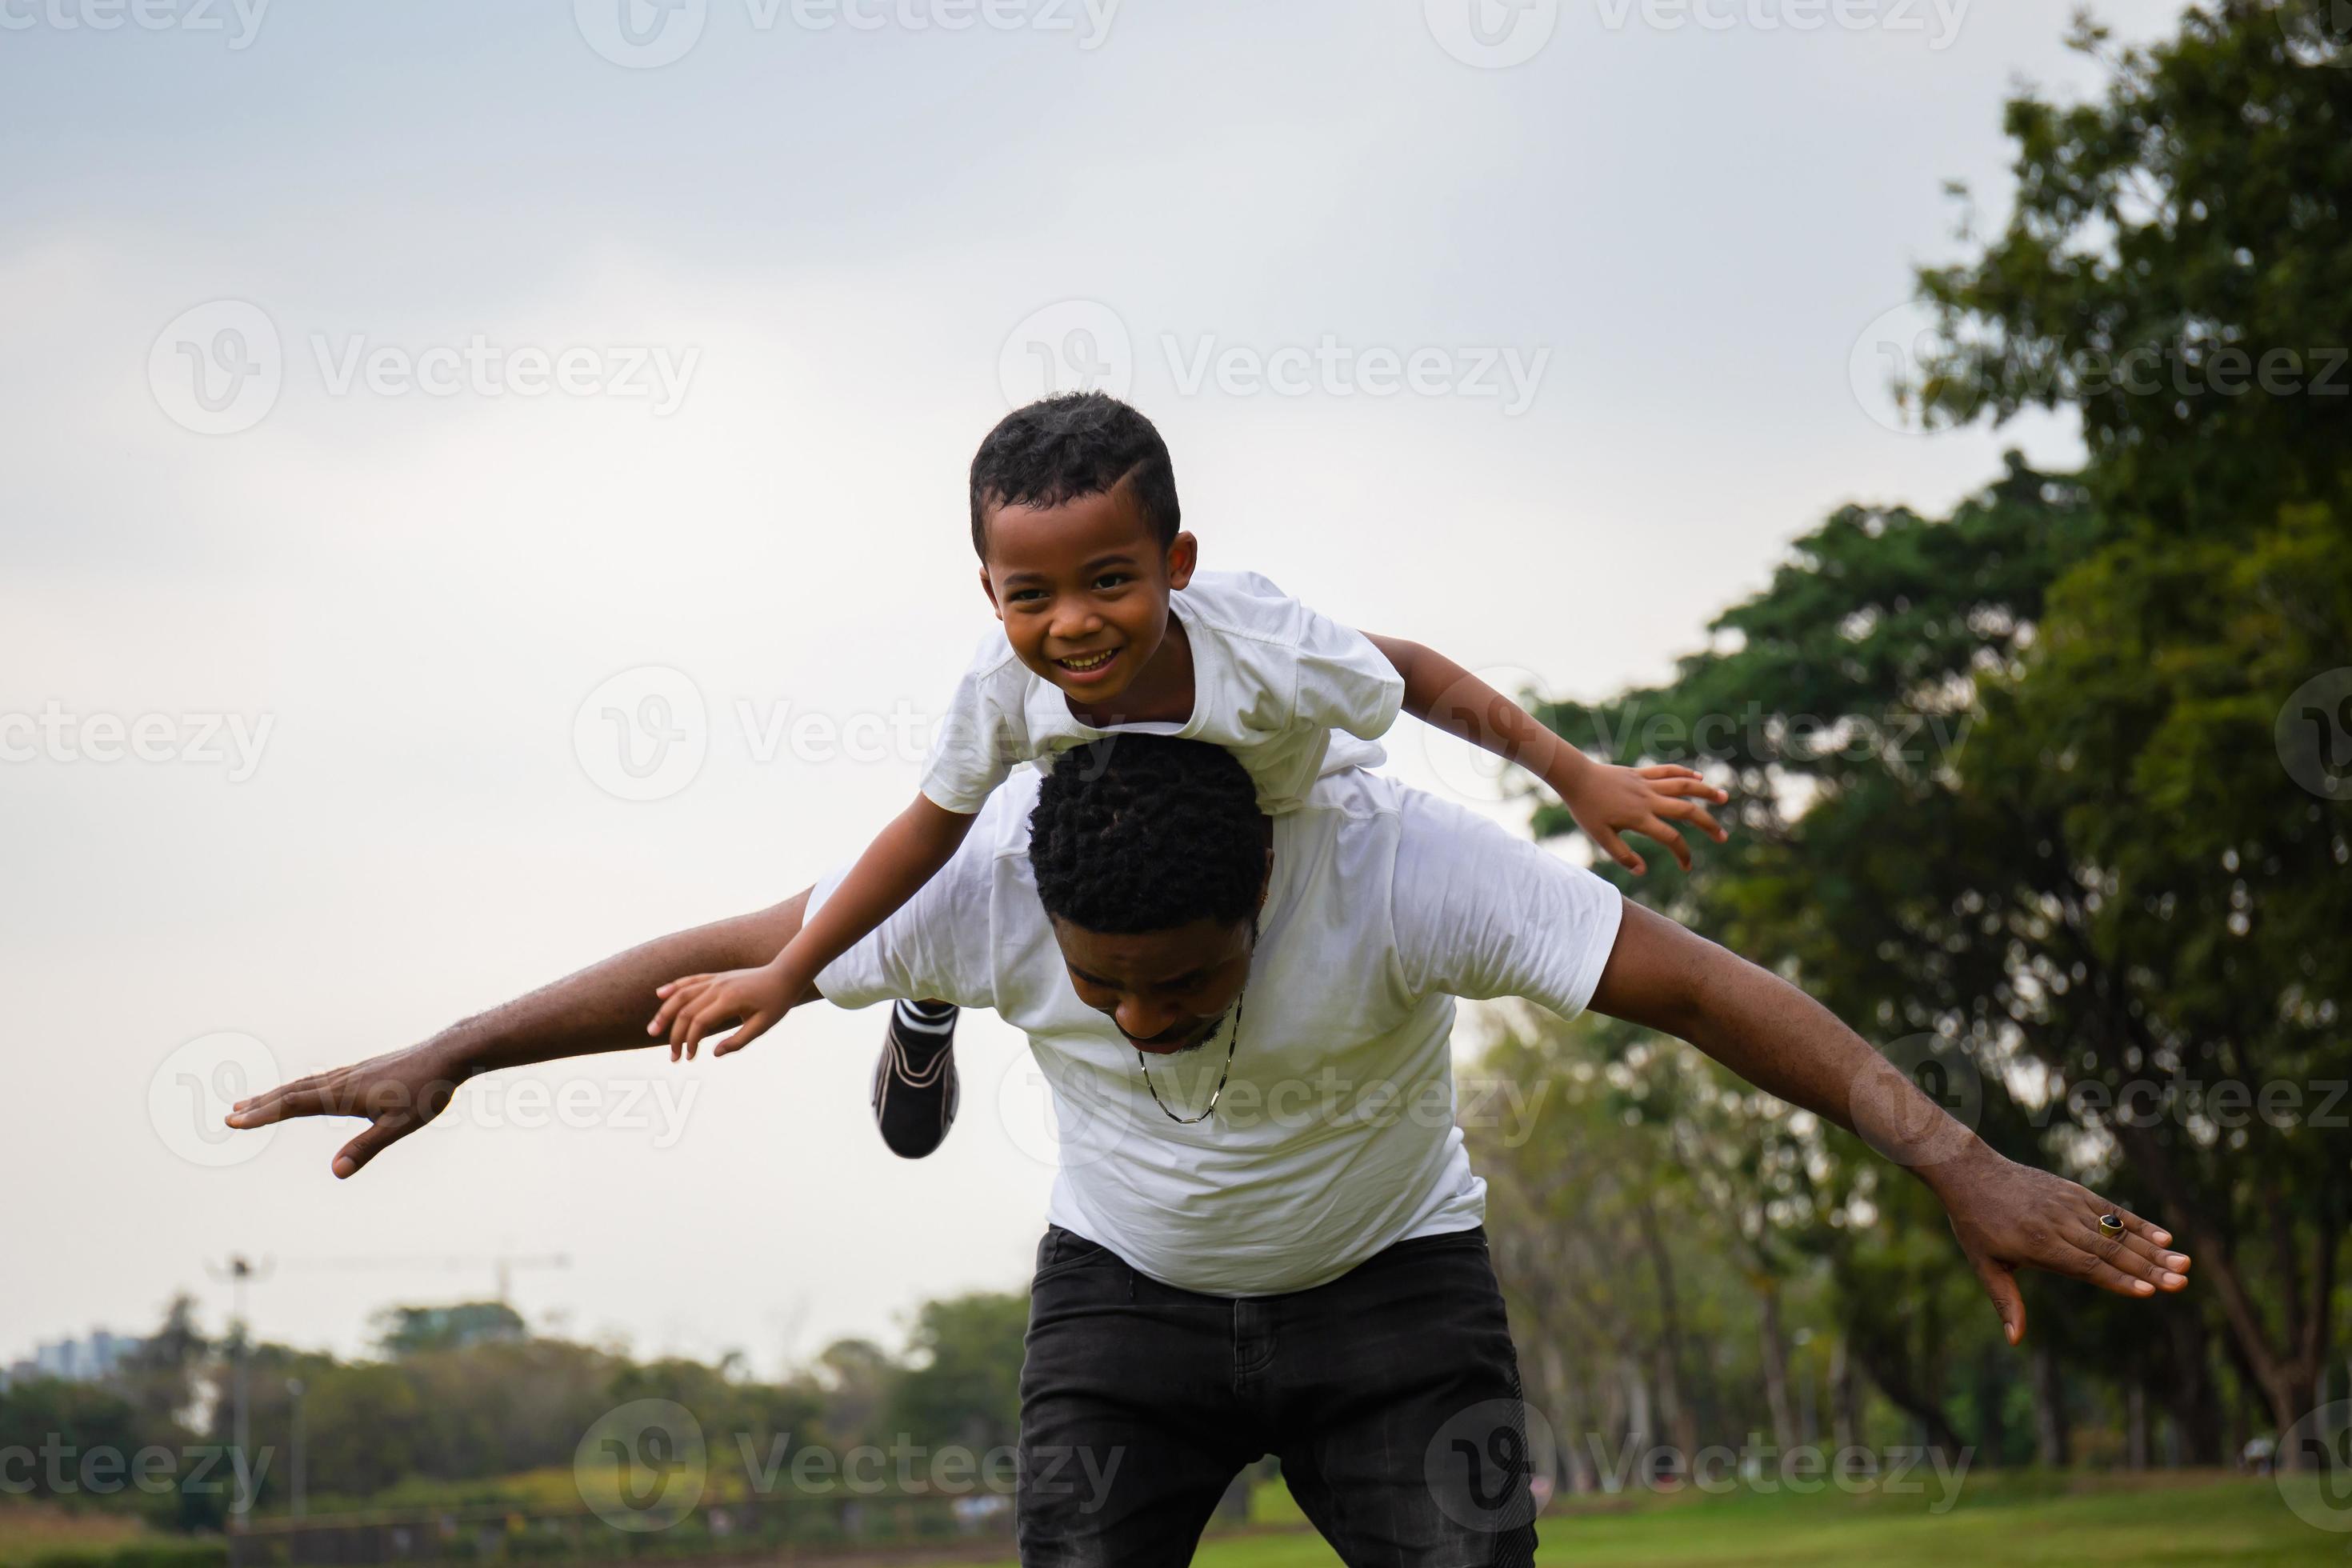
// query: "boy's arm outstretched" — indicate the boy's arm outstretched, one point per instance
point(1605, 799)
point(919, 842)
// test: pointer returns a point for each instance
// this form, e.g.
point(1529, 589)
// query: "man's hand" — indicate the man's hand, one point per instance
point(2010, 1217)
point(396, 1094)
point(2007, 1216)
point(1607, 800)
point(753, 1001)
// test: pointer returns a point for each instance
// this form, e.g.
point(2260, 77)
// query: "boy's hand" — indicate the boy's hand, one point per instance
point(1606, 800)
point(751, 1001)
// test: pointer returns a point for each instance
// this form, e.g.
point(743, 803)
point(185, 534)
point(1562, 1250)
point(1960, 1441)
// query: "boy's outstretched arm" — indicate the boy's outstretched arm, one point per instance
point(909, 852)
point(601, 1008)
point(1605, 800)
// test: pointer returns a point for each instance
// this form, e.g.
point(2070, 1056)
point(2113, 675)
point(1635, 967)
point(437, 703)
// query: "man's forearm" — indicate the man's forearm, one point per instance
point(2005, 1216)
point(1776, 1038)
point(604, 1006)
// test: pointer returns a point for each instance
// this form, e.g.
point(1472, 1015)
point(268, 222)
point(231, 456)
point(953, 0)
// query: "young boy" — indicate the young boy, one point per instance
point(1107, 626)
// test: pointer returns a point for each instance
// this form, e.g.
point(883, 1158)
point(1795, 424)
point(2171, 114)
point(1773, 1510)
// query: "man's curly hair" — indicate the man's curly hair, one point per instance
point(1143, 833)
point(1079, 443)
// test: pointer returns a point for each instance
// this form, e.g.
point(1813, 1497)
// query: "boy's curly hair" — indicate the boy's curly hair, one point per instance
point(1078, 444)
point(1141, 833)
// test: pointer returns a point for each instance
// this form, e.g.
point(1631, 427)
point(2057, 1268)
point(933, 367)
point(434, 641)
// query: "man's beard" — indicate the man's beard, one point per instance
point(1215, 1027)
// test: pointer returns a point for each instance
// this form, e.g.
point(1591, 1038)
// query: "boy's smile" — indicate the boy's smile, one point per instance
point(1082, 589)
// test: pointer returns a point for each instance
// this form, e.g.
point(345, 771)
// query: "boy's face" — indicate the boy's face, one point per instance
point(1082, 589)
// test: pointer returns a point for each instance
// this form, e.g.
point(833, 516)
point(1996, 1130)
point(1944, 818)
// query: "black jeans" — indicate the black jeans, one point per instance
point(1391, 1394)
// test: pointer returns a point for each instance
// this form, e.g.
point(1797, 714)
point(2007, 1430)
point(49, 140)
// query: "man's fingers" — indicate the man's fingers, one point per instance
point(2161, 1258)
point(2141, 1249)
point(299, 1097)
point(379, 1136)
point(2113, 1253)
point(2107, 1276)
point(2000, 1282)
point(2138, 1226)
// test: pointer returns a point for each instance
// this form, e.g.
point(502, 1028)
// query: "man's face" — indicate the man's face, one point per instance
point(1083, 589)
point(1168, 991)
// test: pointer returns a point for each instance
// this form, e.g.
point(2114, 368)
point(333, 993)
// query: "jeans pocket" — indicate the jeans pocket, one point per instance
point(1064, 1252)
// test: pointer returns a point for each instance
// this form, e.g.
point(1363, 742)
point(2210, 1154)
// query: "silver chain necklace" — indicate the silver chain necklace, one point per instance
point(1232, 1040)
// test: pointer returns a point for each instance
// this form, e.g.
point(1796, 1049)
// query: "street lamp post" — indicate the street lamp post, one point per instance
point(239, 1273)
point(296, 1478)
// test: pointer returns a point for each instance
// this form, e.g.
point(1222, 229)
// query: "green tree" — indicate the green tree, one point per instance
point(2192, 223)
point(963, 1381)
point(2095, 877)
point(406, 1331)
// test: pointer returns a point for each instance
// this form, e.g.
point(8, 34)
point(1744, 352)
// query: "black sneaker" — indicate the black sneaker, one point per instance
point(915, 1081)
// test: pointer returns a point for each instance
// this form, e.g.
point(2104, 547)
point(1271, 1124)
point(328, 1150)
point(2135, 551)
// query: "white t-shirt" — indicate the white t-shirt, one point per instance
point(1271, 680)
point(1336, 1135)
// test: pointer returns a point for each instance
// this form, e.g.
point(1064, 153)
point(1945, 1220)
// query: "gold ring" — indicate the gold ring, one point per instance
point(2110, 1227)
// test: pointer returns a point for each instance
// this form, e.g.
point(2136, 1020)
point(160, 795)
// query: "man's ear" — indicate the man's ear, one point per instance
point(1266, 883)
point(1183, 555)
point(989, 588)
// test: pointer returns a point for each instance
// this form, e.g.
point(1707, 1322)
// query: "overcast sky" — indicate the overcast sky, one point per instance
point(406, 405)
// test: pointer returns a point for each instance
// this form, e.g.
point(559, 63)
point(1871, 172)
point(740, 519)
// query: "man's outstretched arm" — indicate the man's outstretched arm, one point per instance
point(603, 1008)
point(2008, 1216)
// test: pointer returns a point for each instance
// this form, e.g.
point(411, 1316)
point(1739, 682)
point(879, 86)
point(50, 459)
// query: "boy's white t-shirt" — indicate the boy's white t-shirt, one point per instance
point(1337, 1134)
point(1271, 681)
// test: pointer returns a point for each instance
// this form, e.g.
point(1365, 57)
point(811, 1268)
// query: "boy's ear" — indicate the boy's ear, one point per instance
point(989, 588)
point(1183, 555)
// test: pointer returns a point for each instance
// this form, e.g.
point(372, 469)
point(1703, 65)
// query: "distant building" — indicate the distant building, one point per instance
point(75, 1360)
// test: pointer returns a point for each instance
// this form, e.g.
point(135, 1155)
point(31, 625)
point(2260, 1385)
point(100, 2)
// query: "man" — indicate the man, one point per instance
point(1261, 1239)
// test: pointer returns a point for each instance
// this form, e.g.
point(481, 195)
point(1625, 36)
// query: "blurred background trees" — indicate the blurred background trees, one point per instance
point(2049, 797)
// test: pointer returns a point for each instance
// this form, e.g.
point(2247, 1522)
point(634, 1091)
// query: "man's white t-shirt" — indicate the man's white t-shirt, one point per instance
point(1336, 1135)
point(1271, 680)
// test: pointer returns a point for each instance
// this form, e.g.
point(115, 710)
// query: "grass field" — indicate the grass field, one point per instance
point(30, 1530)
point(2007, 1521)
point(2011, 1520)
